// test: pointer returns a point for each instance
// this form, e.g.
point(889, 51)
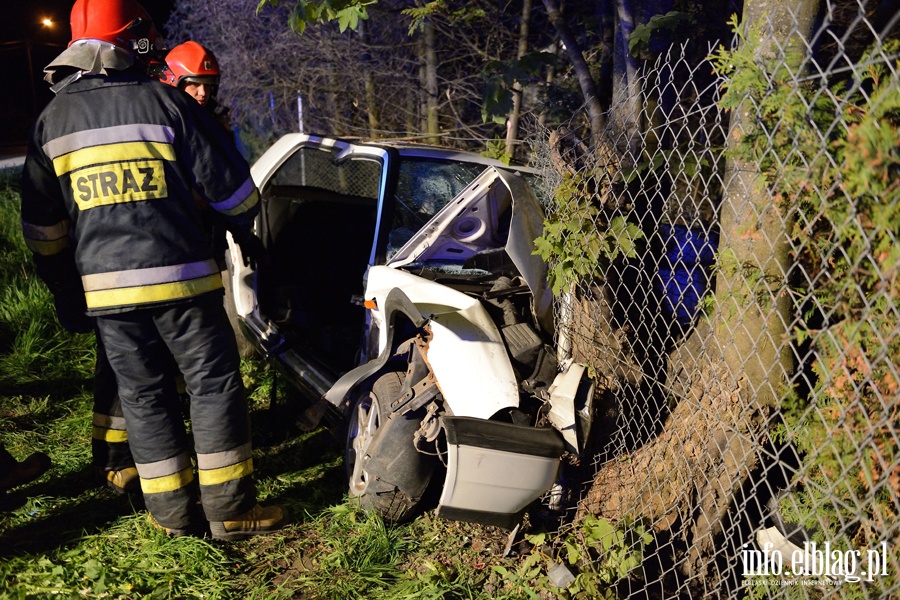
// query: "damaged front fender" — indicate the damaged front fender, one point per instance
point(396, 302)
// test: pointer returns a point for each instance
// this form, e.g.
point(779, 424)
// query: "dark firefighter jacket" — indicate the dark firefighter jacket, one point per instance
point(107, 189)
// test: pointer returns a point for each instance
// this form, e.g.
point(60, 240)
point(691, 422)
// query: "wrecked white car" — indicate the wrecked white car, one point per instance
point(401, 292)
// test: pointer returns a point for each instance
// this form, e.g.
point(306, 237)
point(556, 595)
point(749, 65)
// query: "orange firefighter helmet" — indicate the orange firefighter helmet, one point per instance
point(191, 63)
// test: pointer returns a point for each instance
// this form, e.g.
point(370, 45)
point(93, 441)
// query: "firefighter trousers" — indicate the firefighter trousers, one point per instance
point(109, 437)
point(140, 345)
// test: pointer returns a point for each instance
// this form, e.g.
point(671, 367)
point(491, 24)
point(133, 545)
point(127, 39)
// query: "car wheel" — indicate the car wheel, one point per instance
point(385, 471)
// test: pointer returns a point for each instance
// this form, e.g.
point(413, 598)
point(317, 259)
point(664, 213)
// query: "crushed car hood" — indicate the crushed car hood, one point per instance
point(473, 222)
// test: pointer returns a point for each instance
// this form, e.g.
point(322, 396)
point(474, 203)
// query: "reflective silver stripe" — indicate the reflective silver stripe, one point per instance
point(46, 232)
point(143, 132)
point(148, 276)
point(245, 191)
point(109, 422)
point(162, 468)
point(147, 294)
point(217, 460)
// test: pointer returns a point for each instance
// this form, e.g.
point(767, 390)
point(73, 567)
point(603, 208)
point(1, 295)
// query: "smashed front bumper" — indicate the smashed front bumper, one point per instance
point(495, 470)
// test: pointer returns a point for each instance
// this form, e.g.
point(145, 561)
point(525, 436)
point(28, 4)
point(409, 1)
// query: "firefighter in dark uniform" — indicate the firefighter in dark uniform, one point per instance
point(193, 69)
point(108, 211)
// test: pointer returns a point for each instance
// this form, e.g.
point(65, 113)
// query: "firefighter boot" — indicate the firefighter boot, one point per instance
point(172, 532)
point(124, 481)
point(256, 521)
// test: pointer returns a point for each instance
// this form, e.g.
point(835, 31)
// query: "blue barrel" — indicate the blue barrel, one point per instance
point(683, 275)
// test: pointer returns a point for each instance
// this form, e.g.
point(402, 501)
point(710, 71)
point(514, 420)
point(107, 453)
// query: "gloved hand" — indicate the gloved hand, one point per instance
point(217, 230)
point(61, 275)
point(70, 312)
point(252, 249)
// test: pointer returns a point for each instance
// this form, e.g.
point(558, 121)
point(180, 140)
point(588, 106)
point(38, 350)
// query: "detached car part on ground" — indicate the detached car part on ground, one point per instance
point(401, 291)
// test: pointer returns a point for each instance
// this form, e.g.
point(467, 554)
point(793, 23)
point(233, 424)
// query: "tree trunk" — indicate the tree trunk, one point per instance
point(369, 82)
point(411, 121)
point(627, 95)
point(753, 315)
point(731, 371)
point(333, 103)
point(579, 64)
point(431, 83)
point(423, 86)
point(512, 125)
point(548, 79)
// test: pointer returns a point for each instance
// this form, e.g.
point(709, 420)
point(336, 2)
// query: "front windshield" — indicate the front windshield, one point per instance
point(424, 187)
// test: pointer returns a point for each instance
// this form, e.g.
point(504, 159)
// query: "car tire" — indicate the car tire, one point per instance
point(385, 471)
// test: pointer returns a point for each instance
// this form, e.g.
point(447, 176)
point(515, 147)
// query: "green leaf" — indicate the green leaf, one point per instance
point(299, 17)
point(92, 569)
point(598, 529)
point(350, 17)
point(347, 18)
point(263, 3)
point(639, 40)
point(572, 553)
point(497, 103)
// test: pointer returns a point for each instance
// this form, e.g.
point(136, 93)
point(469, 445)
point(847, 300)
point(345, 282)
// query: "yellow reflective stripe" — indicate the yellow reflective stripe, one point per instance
point(47, 248)
point(225, 474)
point(46, 232)
point(126, 151)
point(244, 195)
point(109, 435)
point(169, 483)
point(47, 240)
point(116, 183)
point(153, 293)
point(251, 201)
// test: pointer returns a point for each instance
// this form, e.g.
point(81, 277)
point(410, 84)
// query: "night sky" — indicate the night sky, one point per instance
point(23, 93)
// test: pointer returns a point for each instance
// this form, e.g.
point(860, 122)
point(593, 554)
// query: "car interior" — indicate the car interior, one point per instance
point(318, 240)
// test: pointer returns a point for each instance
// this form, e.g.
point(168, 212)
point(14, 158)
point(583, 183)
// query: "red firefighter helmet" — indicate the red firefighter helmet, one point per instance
point(191, 63)
point(124, 23)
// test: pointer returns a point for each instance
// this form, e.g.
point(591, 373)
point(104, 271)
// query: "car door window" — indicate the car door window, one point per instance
point(319, 168)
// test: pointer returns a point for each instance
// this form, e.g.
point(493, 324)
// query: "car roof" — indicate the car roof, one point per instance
point(412, 149)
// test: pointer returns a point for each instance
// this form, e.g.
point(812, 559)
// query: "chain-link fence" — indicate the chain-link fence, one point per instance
point(727, 262)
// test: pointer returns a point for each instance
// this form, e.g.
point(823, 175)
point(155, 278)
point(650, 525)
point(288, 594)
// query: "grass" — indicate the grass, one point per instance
point(67, 536)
